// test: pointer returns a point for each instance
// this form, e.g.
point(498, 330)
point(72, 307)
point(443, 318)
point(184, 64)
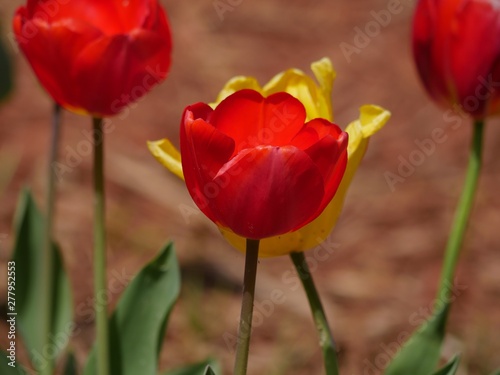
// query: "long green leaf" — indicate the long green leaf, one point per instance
point(9, 366)
point(71, 366)
point(138, 324)
point(497, 372)
point(27, 257)
point(202, 368)
point(450, 368)
point(420, 355)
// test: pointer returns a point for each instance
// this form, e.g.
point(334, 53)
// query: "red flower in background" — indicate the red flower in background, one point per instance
point(95, 56)
point(456, 45)
point(254, 166)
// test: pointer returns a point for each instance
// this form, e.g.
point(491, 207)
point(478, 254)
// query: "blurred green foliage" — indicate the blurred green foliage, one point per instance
point(6, 81)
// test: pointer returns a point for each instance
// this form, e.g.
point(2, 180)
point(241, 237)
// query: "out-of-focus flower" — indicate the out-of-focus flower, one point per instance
point(253, 165)
point(95, 56)
point(457, 52)
point(317, 101)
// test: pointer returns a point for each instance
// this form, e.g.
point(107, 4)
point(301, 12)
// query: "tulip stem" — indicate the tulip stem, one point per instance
point(245, 326)
point(462, 214)
point(47, 286)
point(100, 252)
point(326, 340)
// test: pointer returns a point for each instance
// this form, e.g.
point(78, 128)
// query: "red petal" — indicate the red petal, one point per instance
point(330, 156)
point(204, 150)
point(267, 191)
point(111, 16)
point(315, 130)
point(252, 120)
point(115, 71)
point(51, 50)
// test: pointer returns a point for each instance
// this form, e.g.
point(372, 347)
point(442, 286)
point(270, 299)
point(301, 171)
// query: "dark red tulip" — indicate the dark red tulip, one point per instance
point(254, 166)
point(95, 56)
point(456, 46)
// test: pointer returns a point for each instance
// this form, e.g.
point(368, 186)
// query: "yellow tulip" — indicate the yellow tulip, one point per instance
point(316, 97)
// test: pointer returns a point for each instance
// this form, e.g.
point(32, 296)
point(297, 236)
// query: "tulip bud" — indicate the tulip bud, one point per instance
point(457, 52)
point(95, 56)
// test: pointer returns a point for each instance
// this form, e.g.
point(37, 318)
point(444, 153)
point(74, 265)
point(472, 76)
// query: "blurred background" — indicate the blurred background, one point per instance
point(378, 281)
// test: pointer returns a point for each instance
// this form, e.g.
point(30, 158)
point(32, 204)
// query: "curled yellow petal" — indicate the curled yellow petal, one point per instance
point(166, 153)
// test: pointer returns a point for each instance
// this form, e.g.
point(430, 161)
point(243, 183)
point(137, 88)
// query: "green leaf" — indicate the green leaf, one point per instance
point(202, 368)
point(451, 367)
point(5, 72)
point(71, 366)
point(497, 372)
point(138, 324)
point(28, 265)
point(6, 369)
point(420, 355)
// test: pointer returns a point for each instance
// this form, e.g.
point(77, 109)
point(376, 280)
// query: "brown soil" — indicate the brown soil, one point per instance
point(382, 277)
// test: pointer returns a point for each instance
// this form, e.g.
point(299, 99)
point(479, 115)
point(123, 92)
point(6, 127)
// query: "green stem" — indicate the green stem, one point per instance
point(245, 326)
point(326, 340)
point(48, 251)
point(462, 214)
point(100, 293)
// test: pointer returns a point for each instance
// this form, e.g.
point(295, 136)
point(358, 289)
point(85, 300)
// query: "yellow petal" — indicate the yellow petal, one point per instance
point(236, 84)
point(325, 74)
point(372, 118)
point(315, 98)
point(166, 153)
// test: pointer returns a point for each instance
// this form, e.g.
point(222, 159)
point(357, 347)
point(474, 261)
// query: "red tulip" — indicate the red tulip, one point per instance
point(95, 56)
point(254, 166)
point(457, 49)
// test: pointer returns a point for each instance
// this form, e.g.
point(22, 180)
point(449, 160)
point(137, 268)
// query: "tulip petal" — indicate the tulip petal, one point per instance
point(317, 100)
point(236, 84)
point(325, 74)
point(166, 153)
point(372, 118)
point(51, 48)
point(111, 16)
point(120, 61)
point(252, 120)
point(330, 156)
point(204, 150)
point(282, 191)
point(315, 130)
